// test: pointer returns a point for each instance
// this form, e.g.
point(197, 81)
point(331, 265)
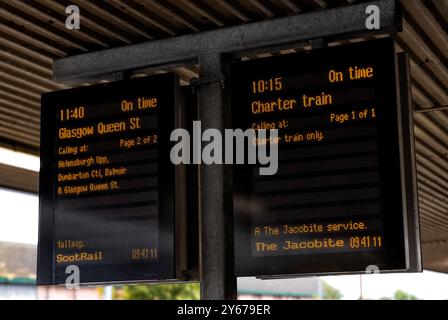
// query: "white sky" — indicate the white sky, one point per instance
point(19, 223)
point(427, 285)
point(19, 217)
point(19, 159)
point(19, 211)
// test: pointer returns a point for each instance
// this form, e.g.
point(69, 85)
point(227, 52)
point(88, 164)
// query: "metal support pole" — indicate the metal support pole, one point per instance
point(407, 114)
point(361, 294)
point(217, 265)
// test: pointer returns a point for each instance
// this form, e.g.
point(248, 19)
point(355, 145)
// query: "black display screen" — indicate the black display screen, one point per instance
point(335, 204)
point(107, 182)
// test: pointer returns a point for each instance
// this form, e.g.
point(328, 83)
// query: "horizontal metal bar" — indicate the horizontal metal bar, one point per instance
point(349, 20)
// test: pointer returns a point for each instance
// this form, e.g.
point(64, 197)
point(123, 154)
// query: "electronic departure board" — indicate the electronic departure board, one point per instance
point(107, 200)
point(336, 203)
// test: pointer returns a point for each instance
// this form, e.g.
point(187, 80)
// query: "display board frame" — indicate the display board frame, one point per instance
point(171, 261)
point(397, 184)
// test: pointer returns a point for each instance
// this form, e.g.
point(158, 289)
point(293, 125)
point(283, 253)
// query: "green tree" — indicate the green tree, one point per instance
point(331, 293)
point(401, 295)
point(190, 291)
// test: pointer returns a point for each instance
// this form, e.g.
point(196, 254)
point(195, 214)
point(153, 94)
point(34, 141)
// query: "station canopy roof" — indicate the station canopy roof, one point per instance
point(33, 35)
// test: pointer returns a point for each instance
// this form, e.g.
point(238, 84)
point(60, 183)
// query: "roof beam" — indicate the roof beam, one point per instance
point(332, 23)
point(18, 178)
